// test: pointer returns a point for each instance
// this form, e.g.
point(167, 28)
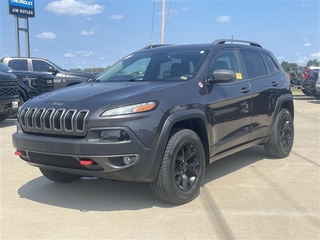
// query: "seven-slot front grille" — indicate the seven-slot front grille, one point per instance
point(51, 120)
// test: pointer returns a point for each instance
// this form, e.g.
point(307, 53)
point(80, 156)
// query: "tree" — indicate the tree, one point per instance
point(286, 66)
point(314, 63)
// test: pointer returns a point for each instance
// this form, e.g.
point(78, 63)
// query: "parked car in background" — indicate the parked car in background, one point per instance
point(318, 84)
point(31, 84)
point(9, 95)
point(161, 115)
point(62, 77)
point(308, 83)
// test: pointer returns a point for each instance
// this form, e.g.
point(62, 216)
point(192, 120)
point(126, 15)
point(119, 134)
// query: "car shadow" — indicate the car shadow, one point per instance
point(315, 101)
point(8, 123)
point(92, 194)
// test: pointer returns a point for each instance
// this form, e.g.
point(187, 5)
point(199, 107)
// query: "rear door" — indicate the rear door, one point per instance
point(230, 105)
point(265, 79)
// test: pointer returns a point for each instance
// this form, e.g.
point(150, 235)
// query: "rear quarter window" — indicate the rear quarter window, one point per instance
point(272, 66)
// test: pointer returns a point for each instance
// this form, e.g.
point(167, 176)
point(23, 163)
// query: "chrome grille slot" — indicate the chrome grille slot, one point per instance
point(57, 120)
point(68, 120)
point(29, 117)
point(23, 117)
point(38, 118)
point(54, 121)
point(47, 119)
point(81, 120)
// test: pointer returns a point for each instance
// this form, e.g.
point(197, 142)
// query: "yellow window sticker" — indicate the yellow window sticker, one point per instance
point(239, 75)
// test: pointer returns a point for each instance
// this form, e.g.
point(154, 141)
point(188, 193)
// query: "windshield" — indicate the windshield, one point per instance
point(156, 65)
point(4, 68)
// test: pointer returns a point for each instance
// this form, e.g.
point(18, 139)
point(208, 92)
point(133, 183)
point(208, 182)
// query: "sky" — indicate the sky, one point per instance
point(97, 33)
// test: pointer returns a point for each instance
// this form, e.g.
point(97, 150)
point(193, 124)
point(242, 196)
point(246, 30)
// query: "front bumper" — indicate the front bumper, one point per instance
point(65, 155)
point(8, 105)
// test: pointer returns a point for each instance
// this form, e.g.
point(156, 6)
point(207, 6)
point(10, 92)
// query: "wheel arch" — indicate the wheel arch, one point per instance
point(194, 120)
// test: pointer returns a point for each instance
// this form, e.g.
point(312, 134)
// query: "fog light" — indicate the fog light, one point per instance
point(128, 160)
point(114, 135)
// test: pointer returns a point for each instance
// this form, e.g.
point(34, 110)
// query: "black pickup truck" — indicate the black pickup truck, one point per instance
point(31, 84)
point(9, 95)
point(62, 77)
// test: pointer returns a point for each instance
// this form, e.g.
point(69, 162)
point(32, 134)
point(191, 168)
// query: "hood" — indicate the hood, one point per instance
point(30, 74)
point(79, 73)
point(97, 95)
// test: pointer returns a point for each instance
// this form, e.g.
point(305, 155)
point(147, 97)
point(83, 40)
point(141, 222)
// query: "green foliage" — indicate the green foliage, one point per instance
point(314, 63)
point(286, 66)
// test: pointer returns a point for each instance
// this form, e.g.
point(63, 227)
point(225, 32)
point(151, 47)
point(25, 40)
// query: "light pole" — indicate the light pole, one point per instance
point(163, 21)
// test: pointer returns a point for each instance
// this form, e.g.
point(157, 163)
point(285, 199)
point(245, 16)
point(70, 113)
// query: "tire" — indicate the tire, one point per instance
point(3, 117)
point(59, 177)
point(182, 169)
point(281, 140)
point(316, 94)
point(306, 92)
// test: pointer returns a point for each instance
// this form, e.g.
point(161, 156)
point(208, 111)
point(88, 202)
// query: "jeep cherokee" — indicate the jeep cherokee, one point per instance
point(161, 115)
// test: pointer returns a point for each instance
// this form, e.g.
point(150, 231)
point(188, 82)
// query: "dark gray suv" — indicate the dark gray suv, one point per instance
point(161, 115)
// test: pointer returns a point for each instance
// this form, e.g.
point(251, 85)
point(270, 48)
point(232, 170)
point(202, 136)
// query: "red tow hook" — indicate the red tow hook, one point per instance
point(86, 162)
point(19, 153)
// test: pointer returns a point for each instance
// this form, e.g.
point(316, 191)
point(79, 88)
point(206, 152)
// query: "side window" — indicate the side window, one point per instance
point(227, 59)
point(21, 65)
point(40, 66)
point(273, 68)
point(254, 64)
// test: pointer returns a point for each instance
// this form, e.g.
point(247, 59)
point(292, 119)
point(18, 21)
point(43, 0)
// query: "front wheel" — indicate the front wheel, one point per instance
point(281, 140)
point(182, 169)
point(59, 177)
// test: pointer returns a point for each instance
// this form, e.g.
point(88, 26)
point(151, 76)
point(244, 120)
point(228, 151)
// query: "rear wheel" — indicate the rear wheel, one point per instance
point(316, 94)
point(59, 177)
point(182, 169)
point(281, 140)
point(306, 92)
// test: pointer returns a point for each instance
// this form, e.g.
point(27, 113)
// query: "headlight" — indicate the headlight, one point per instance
point(136, 108)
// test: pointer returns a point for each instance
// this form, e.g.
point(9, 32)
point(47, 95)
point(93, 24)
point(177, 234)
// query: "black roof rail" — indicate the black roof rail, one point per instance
point(154, 46)
point(222, 41)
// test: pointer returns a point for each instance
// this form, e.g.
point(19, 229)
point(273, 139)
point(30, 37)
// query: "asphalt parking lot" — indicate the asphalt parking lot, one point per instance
point(245, 196)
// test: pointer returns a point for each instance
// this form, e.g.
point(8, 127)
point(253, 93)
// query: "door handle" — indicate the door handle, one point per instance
point(274, 84)
point(245, 90)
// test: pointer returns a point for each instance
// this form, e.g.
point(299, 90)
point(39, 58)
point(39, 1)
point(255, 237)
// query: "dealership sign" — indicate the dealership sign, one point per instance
point(21, 8)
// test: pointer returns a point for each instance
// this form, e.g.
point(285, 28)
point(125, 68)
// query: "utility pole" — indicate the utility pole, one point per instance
point(163, 21)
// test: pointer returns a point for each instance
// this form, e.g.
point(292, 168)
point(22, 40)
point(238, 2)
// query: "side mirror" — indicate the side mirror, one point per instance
point(222, 76)
point(53, 71)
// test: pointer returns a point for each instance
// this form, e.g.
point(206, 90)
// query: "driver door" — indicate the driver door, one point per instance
point(230, 105)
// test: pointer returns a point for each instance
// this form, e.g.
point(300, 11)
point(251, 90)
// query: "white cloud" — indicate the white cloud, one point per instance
point(307, 44)
point(73, 7)
point(91, 32)
point(303, 5)
point(223, 19)
point(84, 32)
point(281, 58)
point(78, 53)
point(169, 14)
point(46, 35)
point(185, 9)
point(116, 17)
point(68, 55)
point(315, 55)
